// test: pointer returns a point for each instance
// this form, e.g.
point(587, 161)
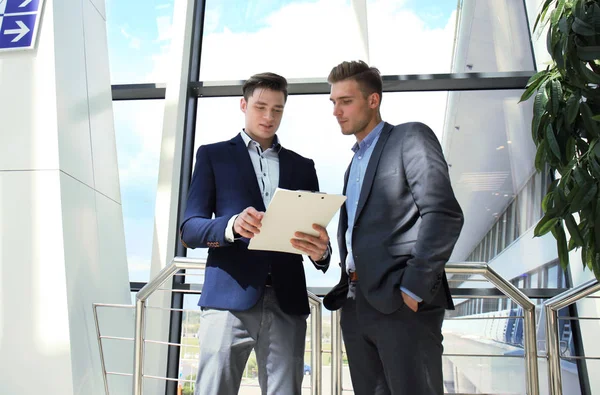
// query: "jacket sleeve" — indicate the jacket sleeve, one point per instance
point(198, 229)
point(314, 181)
point(427, 175)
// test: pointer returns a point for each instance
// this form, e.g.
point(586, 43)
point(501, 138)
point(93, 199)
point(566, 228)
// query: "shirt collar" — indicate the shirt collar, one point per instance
point(247, 140)
point(371, 137)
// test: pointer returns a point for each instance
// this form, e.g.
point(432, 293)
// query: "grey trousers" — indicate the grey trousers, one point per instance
point(227, 337)
point(398, 353)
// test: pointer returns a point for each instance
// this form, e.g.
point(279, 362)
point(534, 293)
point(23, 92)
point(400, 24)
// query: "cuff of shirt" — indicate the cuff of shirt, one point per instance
point(412, 295)
point(229, 229)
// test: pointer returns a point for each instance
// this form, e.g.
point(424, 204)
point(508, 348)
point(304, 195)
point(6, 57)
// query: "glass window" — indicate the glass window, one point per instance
point(552, 277)
point(533, 280)
point(138, 132)
point(242, 38)
point(139, 37)
point(435, 37)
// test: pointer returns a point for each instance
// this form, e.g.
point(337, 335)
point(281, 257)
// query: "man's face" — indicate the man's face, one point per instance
point(263, 110)
point(352, 110)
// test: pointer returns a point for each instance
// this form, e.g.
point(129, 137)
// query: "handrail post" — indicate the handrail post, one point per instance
point(553, 351)
point(336, 353)
point(316, 333)
point(138, 358)
point(100, 350)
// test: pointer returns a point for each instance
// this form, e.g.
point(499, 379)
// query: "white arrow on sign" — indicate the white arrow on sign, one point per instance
point(20, 32)
point(24, 4)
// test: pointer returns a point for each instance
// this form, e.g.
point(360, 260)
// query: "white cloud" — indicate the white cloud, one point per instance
point(134, 42)
point(139, 164)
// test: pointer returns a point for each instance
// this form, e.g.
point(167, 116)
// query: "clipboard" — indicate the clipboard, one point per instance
point(290, 212)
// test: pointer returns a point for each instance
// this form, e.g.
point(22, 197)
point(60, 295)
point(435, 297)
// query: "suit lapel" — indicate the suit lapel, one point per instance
point(346, 175)
point(372, 169)
point(246, 170)
point(286, 169)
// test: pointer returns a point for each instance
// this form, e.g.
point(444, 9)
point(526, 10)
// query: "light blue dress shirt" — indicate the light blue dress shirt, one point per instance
point(358, 168)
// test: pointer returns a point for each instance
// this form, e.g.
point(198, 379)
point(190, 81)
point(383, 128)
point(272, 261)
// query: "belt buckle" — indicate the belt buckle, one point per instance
point(353, 276)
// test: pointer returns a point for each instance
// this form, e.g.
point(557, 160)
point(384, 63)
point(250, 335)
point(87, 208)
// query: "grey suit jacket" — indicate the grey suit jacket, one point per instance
point(407, 222)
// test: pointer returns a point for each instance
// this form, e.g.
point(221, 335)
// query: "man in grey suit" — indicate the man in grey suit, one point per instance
point(396, 232)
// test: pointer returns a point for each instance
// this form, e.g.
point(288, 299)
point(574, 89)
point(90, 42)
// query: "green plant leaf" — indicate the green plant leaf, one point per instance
point(583, 198)
point(570, 149)
point(561, 243)
point(535, 83)
point(596, 117)
point(563, 25)
point(556, 96)
point(551, 138)
point(541, 18)
point(545, 225)
point(585, 73)
point(572, 108)
point(584, 255)
point(589, 53)
point(591, 252)
point(539, 109)
point(560, 200)
point(557, 13)
point(583, 28)
point(594, 165)
point(548, 199)
point(597, 227)
point(540, 157)
point(573, 230)
point(591, 126)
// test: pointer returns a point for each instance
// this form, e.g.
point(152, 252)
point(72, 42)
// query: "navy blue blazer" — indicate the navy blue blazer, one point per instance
point(224, 184)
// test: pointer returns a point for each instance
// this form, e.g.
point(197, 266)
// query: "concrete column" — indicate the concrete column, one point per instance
point(62, 244)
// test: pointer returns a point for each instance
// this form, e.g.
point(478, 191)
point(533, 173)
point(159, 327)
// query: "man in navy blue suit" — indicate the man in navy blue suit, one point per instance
point(250, 299)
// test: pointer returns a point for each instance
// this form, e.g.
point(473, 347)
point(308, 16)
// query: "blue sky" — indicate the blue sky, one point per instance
point(139, 35)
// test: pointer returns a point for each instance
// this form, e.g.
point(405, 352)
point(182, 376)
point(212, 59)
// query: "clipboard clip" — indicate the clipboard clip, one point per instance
point(303, 190)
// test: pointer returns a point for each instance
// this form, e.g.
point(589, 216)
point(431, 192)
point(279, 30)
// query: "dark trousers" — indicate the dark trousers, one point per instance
point(398, 353)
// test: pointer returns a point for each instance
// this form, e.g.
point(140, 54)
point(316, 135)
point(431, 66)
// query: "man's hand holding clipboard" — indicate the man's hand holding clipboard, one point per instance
point(288, 225)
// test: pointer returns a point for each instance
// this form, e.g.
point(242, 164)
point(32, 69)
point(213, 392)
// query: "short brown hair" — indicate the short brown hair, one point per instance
point(368, 78)
point(271, 81)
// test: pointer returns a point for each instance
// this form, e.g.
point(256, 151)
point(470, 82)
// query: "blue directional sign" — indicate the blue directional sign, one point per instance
point(19, 21)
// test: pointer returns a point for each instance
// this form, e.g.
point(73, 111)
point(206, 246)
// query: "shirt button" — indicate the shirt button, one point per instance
point(265, 174)
point(360, 157)
point(267, 194)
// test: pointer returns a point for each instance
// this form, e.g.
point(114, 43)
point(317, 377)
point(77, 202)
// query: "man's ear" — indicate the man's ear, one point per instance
point(243, 105)
point(374, 100)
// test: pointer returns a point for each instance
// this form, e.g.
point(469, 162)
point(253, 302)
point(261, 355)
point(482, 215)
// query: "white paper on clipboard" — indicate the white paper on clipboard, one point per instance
point(290, 212)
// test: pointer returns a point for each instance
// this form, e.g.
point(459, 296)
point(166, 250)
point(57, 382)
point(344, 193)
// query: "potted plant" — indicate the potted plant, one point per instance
point(566, 127)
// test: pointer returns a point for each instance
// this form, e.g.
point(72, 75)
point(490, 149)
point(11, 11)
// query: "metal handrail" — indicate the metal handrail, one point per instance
point(507, 288)
point(142, 296)
point(551, 308)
